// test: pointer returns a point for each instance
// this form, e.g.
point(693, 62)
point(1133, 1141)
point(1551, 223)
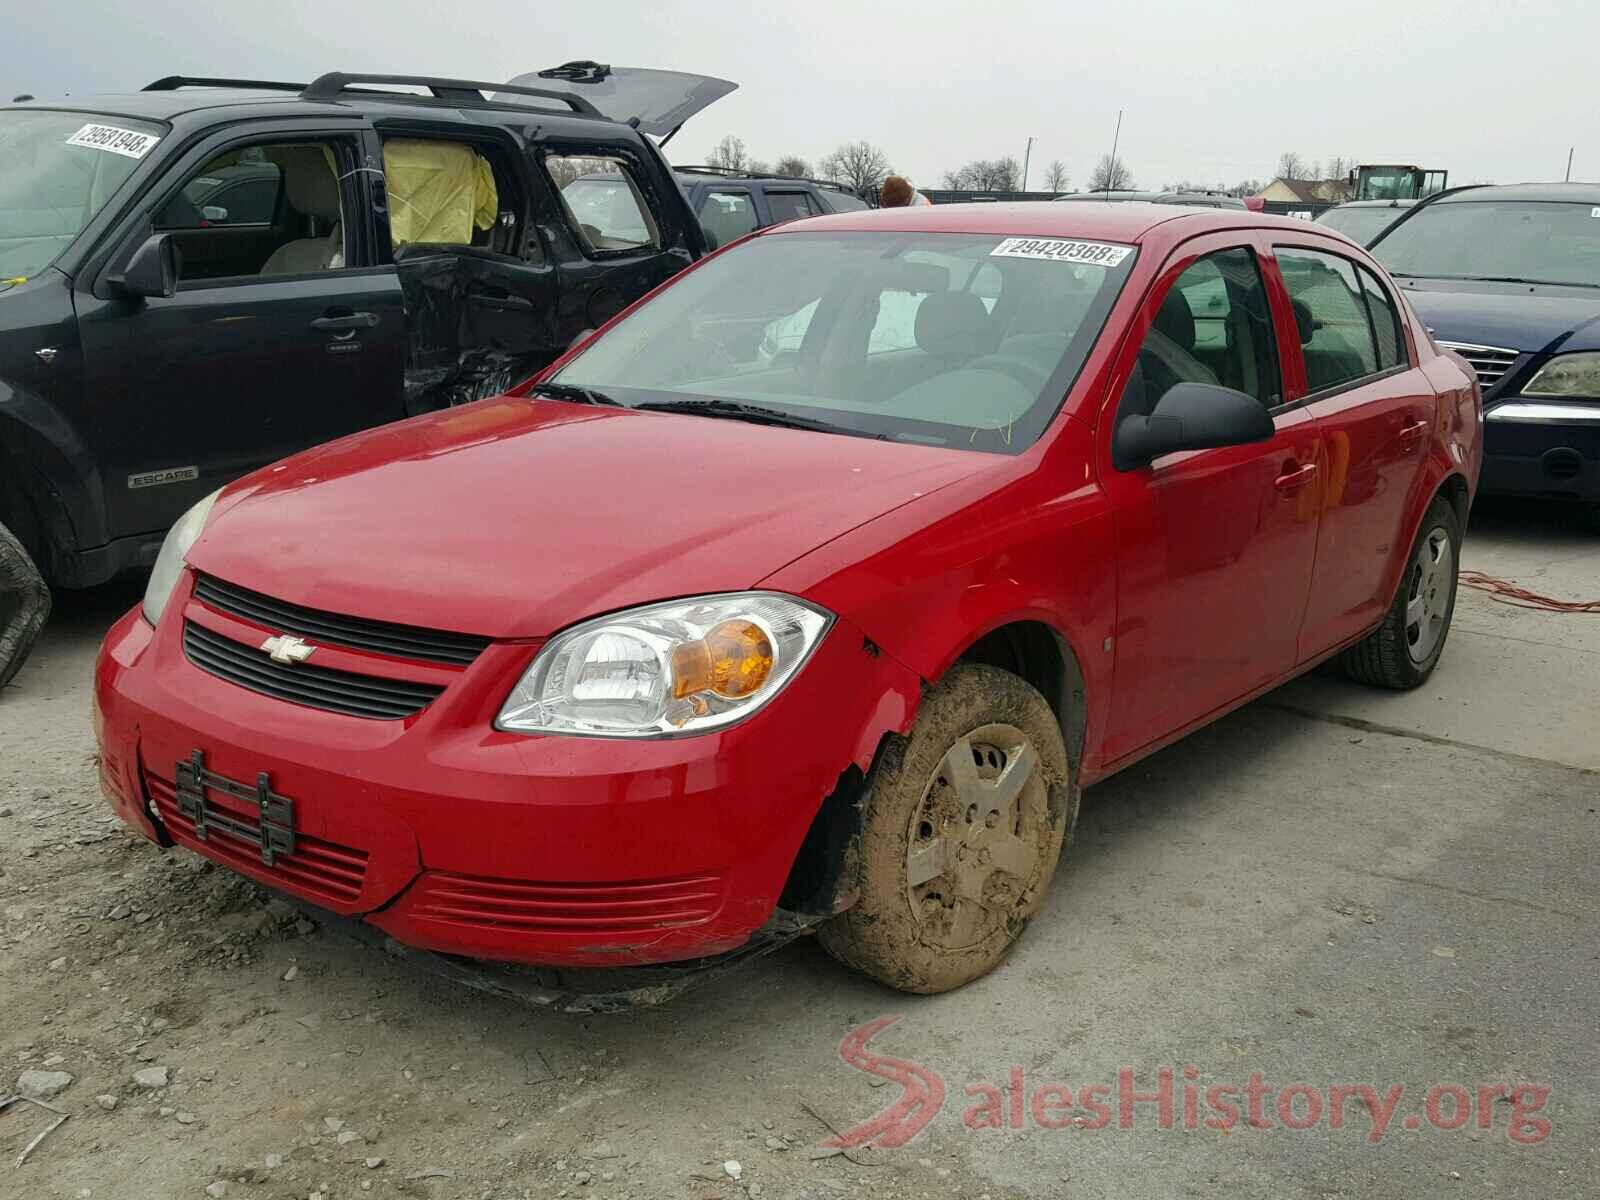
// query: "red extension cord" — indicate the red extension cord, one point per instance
point(1518, 597)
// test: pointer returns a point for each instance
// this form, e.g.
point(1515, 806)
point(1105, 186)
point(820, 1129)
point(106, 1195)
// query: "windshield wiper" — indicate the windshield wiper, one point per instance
point(1494, 279)
point(1536, 282)
point(577, 395)
point(739, 411)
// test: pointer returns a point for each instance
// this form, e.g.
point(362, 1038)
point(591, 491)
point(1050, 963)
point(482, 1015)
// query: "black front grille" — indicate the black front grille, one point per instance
point(334, 629)
point(315, 687)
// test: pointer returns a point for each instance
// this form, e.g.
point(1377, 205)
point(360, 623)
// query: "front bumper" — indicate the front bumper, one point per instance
point(1542, 448)
point(450, 836)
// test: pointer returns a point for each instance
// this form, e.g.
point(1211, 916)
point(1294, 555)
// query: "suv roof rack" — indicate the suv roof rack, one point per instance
point(731, 173)
point(458, 91)
point(171, 83)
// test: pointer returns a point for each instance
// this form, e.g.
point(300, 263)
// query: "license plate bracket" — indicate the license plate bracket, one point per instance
point(272, 833)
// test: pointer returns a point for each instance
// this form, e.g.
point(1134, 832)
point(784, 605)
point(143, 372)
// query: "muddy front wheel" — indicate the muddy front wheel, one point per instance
point(962, 830)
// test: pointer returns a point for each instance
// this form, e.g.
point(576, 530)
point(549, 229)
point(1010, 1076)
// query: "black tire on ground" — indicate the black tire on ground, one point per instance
point(24, 605)
point(963, 825)
point(1403, 651)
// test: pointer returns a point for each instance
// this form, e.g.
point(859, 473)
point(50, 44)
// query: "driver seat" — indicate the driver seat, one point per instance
point(313, 190)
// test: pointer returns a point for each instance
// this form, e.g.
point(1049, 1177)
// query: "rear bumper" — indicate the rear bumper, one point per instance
point(1536, 448)
point(450, 836)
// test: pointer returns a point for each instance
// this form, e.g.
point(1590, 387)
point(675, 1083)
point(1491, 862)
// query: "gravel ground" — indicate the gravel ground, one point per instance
point(1330, 887)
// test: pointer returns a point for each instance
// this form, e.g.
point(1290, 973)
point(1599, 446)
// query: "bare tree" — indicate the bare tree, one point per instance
point(1339, 167)
point(729, 154)
point(564, 170)
point(860, 164)
point(794, 166)
point(1314, 170)
point(986, 175)
point(1291, 166)
point(1110, 175)
point(1247, 187)
point(757, 167)
point(1055, 177)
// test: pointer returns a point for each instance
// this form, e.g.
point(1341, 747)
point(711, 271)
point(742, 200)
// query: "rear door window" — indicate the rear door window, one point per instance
point(1330, 309)
point(1385, 322)
point(728, 213)
point(789, 206)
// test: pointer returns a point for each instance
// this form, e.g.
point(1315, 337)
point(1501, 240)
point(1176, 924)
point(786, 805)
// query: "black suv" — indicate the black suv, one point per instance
point(204, 276)
point(731, 204)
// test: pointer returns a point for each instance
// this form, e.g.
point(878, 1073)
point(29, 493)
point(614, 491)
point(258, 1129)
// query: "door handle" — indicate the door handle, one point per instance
point(351, 321)
point(1295, 477)
point(500, 303)
point(1412, 434)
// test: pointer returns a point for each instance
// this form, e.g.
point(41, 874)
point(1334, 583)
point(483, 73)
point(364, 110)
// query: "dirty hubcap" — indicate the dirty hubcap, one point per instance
point(974, 844)
point(1428, 597)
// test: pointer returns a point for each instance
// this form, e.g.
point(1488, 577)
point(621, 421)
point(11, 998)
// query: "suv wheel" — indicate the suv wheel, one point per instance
point(24, 604)
point(1403, 651)
point(963, 827)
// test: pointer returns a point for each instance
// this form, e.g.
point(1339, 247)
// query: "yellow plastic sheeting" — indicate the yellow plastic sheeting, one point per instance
point(438, 191)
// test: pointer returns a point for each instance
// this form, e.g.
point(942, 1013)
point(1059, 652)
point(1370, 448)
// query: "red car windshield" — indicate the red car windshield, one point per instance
point(963, 340)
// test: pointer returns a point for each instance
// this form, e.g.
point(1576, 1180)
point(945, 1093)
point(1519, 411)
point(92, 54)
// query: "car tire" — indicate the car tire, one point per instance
point(1403, 651)
point(963, 824)
point(24, 605)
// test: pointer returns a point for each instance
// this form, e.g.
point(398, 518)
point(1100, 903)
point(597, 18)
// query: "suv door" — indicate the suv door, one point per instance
point(481, 295)
point(1352, 363)
point(1214, 547)
point(280, 336)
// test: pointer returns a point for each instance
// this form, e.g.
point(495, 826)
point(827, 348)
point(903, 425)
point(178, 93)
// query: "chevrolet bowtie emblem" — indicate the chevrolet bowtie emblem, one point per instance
point(287, 650)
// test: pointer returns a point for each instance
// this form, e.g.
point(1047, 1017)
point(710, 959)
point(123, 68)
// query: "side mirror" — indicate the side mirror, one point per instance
point(1191, 416)
point(152, 271)
point(214, 213)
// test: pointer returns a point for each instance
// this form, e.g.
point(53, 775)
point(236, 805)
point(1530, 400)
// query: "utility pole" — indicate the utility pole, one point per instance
point(1570, 149)
point(1028, 154)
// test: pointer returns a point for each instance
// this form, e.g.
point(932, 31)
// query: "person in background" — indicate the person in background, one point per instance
point(897, 192)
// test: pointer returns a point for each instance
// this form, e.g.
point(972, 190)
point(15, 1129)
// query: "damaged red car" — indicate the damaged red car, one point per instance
point(806, 595)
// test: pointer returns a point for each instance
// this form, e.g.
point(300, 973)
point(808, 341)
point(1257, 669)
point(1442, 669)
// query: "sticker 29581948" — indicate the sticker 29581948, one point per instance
point(129, 143)
point(1095, 254)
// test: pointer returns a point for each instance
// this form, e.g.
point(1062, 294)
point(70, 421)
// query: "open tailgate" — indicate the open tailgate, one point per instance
point(660, 100)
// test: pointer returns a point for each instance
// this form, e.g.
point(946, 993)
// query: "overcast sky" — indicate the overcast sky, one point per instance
point(1210, 91)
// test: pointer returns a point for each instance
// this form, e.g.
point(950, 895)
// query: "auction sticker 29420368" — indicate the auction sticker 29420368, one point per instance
point(128, 142)
point(1097, 254)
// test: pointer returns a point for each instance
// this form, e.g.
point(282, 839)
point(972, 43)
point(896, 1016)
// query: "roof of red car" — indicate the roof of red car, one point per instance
point(1119, 222)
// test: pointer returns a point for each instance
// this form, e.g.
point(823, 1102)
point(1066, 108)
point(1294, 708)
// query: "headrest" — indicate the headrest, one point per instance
point(1175, 319)
point(308, 178)
point(955, 325)
point(1304, 321)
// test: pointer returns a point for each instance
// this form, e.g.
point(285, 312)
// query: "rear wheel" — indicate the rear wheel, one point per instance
point(962, 830)
point(1403, 651)
point(24, 604)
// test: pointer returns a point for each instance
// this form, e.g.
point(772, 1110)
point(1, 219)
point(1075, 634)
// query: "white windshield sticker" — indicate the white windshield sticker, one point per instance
point(1594, 212)
point(1098, 254)
point(125, 142)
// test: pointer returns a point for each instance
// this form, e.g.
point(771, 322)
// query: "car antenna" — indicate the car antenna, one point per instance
point(1111, 167)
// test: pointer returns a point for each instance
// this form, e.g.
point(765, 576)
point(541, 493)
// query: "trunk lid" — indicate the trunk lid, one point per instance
point(659, 100)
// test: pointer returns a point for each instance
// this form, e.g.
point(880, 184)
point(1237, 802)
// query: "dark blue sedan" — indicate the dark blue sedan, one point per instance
point(1509, 277)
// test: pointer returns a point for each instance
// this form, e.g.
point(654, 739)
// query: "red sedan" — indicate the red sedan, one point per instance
point(808, 594)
